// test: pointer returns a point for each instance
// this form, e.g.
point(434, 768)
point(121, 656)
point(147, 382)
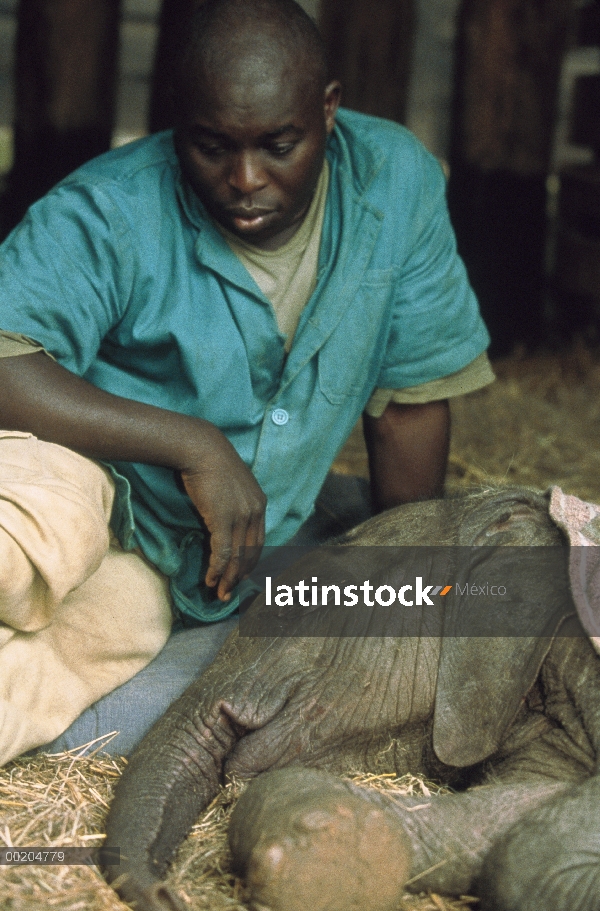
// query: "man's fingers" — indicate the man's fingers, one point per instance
point(232, 505)
point(234, 555)
point(255, 539)
point(221, 551)
point(228, 560)
point(241, 558)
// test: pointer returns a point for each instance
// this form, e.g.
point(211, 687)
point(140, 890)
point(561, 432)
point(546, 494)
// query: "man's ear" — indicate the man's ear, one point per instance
point(331, 102)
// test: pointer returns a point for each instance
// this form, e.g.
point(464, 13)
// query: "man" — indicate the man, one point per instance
point(208, 314)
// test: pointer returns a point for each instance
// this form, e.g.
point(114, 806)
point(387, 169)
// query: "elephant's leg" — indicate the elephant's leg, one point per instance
point(305, 839)
point(451, 835)
point(561, 844)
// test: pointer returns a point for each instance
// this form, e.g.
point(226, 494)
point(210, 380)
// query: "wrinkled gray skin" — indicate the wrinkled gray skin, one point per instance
point(519, 715)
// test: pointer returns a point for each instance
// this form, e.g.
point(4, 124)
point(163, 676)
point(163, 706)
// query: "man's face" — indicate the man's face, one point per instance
point(251, 143)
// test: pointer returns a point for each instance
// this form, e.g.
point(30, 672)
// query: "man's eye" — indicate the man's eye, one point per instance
point(210, 149)
point(282, 148)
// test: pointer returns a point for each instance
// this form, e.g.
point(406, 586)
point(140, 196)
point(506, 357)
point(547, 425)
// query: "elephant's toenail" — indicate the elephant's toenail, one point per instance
point(314, 820)
point(273, 856)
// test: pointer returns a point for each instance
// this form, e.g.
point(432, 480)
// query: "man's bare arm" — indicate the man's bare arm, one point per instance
point(41, 397)
point(408, 452)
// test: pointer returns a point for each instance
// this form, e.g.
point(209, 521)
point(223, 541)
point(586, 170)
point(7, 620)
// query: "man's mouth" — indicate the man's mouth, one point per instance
point(248, 218)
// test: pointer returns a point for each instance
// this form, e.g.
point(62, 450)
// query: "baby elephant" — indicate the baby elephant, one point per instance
point(507, 712)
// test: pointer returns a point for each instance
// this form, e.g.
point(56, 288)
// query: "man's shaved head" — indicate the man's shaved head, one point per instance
point(226, 37)
point(254, 111)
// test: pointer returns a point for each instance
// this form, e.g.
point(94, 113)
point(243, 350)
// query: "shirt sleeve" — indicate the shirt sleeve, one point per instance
point(474, 376)
point(436, 328)
point(66, 274)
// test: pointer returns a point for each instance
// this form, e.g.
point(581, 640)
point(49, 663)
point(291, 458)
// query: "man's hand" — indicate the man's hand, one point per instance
point(229, 499)
point(408, 452)
point(41, 397)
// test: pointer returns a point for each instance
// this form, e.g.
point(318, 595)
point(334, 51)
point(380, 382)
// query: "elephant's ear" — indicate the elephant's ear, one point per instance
point(481, 684)
point(494, 645)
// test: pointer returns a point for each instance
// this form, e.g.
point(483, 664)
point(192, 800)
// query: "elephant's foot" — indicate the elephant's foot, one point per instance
point(305, 840)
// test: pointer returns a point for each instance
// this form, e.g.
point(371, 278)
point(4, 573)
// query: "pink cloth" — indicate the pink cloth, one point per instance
point(580, 521)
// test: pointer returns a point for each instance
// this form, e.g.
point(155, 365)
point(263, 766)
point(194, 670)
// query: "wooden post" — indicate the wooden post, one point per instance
point(173, 23)
point(65, 87)
point(369, 44)
point(509, 56)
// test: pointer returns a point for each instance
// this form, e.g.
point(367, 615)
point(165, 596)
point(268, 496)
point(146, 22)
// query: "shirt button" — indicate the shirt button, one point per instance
point(280, 417)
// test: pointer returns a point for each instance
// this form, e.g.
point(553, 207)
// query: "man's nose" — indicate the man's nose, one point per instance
point(246, 174)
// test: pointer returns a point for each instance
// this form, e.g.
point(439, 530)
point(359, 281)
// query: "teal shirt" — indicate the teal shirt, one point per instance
point(121, 275)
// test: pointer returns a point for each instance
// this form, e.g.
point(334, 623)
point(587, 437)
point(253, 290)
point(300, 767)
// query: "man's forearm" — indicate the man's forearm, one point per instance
point(41, 397)
point(408, 452)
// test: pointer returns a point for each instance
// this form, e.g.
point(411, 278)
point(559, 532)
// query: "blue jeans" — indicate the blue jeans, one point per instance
point(133, 708)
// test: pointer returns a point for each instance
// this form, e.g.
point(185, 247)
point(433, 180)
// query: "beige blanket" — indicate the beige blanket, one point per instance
point(78, 615)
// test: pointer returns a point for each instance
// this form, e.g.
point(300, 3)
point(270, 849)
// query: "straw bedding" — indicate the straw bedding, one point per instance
point(538, 425)
point(62, 800)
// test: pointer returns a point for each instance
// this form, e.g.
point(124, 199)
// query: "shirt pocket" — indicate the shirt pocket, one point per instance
point(350, 358)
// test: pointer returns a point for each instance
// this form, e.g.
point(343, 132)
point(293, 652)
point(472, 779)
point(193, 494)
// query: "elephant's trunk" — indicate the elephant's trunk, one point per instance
point(178, 767)
point(171, 778)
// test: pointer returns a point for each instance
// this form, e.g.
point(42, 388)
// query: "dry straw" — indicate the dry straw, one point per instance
point(62, 800)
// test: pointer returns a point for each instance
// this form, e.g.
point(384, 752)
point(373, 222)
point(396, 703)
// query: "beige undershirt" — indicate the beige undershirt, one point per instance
point(287, 277)
point(12, 344)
